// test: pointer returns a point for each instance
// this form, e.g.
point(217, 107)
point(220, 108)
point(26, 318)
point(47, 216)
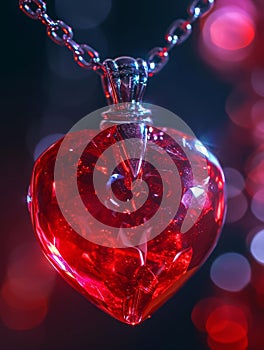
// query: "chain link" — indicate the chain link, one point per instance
point(62, 34)
point(29, 11)
point(177, 33)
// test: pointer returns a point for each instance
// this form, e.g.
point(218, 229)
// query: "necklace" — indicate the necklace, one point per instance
point(126, 211)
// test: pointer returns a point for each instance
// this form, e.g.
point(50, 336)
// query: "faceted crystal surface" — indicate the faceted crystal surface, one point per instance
point(129, 283)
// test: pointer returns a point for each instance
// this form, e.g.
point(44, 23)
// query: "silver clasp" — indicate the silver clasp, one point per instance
point(124, 80)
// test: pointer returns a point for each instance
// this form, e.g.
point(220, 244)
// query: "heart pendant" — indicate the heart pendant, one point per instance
point(127, 213)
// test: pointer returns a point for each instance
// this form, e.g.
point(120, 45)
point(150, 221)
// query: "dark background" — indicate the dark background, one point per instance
point(35, 102)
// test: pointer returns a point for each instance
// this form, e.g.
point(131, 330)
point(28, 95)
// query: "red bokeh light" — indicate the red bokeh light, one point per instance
point(254, 168)
point(227, 324)
point(239, 106)
point(237, 208)
point(202, 310)
point(258, 284)
point(29, 274)
point(18, 301)
point(235, 182)
point(258, 279)
point(257, 81)
point(257, 205)
point(239, 345)
point(25, 293)
point(231, 29)
point(228, 35)
point(257, 117)
point(18, 314)
point(245, 5)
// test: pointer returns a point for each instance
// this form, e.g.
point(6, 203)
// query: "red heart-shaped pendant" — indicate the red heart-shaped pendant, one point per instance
point(127, 261)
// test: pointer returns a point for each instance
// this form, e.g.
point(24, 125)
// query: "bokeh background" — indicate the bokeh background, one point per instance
point(215, 82)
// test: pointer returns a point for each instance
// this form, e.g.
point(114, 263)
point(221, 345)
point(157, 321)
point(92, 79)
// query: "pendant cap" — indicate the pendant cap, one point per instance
point(124, 80)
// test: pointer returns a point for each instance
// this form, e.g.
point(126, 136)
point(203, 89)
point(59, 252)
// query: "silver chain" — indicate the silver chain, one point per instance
point(62, 34)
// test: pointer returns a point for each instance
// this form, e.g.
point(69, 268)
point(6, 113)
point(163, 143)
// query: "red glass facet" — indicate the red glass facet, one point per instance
point(127, 283)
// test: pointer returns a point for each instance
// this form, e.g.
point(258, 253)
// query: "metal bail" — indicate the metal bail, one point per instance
point(125, 79)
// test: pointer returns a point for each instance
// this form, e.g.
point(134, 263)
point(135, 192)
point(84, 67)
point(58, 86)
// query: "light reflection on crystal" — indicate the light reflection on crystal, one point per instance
point(29, 199)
